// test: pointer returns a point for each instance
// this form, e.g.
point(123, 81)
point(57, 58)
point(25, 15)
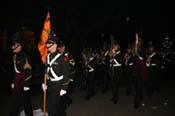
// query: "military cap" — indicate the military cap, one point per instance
point(53, 38)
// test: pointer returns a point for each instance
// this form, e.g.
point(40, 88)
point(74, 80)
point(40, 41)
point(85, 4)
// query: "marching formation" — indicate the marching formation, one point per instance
point(137, 65)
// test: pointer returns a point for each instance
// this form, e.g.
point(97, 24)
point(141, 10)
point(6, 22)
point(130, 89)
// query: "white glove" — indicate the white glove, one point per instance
point(26, 88)
point(62, 92)
point(71, 80)
point(44, 87)
point(12, 85)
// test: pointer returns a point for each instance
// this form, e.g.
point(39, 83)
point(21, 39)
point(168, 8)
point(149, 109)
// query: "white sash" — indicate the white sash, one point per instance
point(56, 78)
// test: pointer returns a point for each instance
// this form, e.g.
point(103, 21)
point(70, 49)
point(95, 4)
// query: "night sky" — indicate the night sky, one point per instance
point(89, 18)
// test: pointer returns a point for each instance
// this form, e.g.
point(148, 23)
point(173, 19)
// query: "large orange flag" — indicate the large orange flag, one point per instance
point(44, 37)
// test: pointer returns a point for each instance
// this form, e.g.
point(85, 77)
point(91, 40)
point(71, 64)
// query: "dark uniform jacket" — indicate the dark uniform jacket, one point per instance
point(130, 61)
point(117, 60)
point(22, 72)
point(140, 64)
point(57, 71)
point(129, 65)
point(152, 60)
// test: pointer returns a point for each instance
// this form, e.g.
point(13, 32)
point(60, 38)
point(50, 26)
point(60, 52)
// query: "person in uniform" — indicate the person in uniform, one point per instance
point(89, 68)
point(21, 82)
point(106, 80)
point(84, 70)
point(116, 61)
point(128, 69)
point(101, 68)
point(66, 98)
point(71, 61)
point(58, 78)
point(140, 72)
point(72, 64)
point(152, 64)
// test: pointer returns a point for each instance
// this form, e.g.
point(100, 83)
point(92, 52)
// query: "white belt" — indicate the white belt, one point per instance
point(116, 65)
point(130, 64)
point(91, 69)
point(139, 57)
point(153, 64)
point(148, 65)
point(16, 70)
point(57, 78)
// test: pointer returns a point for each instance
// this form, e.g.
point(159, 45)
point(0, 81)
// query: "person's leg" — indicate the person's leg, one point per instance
point(52, 99)
point(16, 103)
point(27, 104)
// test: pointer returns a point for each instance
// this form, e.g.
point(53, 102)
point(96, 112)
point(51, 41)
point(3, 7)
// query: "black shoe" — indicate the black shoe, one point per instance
point(70, 90)
point(87, 97)
point(128, 92)
point(69, 101)
point(115, 101)
point(92, 94)
point(136, 105)
point(150, 96)
point(103, 91)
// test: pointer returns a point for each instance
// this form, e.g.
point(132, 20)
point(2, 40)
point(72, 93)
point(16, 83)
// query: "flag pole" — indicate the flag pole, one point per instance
point(44, 97)
point(43, 51)
point(44, 105)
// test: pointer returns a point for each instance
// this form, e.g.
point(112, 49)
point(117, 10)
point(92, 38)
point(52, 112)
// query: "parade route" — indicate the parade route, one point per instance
point(100, 104)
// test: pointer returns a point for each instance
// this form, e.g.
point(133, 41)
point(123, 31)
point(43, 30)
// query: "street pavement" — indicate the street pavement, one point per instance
point(162, 104)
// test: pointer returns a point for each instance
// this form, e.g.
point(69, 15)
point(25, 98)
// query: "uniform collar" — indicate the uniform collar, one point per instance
point(54, 53)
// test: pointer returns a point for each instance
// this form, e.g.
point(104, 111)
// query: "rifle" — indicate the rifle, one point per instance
point(85, 78)
point(86, 71)
point(136, 44)
point(112, 62)
point(111, 55)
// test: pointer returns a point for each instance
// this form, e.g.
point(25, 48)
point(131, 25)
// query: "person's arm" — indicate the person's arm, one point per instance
point(28, 73)
point(66, 73)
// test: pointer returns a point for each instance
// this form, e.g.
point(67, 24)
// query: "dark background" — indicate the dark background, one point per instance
point(83, 21)
point(80, 23)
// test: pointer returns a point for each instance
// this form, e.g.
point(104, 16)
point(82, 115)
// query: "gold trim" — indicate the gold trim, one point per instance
point(66, 83)
point(29, 77)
